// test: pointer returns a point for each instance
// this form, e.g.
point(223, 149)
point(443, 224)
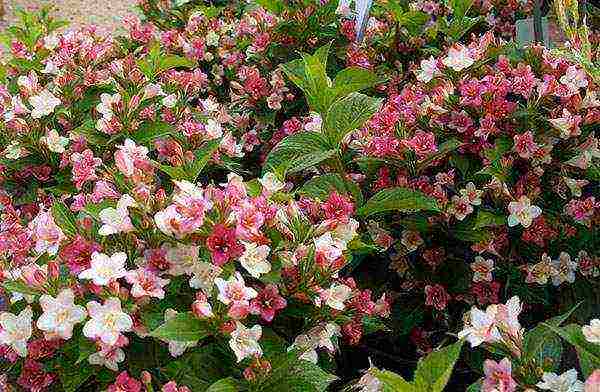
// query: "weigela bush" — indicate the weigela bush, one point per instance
point(238, 196)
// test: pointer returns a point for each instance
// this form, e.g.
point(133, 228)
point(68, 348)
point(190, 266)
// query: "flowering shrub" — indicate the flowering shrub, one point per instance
point(215, 201)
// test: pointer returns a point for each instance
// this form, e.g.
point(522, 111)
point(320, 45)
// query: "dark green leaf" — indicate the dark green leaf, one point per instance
point(398, 199)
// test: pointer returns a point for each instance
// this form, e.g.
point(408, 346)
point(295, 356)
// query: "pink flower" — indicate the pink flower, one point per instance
point(592, 384)
point(234, 292)
point(436, 296)
point(267, 303)
point(422, 143)
point(84, 167)
point(46, 233)
point(171, 386)
point(125, 383)
point(338, 207)
point(498, 376)
point(525, 145)
point(130, 158)
point(146, 283)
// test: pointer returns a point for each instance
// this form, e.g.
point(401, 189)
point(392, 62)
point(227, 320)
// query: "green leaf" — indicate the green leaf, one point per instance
point(17, 286)
point(445, 148)
point(228, 384)
point(273, 6)
point(202, 156)
point(589, 353)
point(148, 132)
point(348, 114)
point(351, 80)
point(297, 152)
point(398, 199)
point(487, 219)
point(542, 344)
point(393, 382)
point(321, 186)
point(173, 61)
point(433, 371)
point(291, 374)
point(64, 218)
point(460, 7)
point(184, 327)
point(72, 375)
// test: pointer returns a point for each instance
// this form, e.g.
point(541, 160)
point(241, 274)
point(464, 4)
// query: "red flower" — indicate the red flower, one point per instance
point(78, 254)
point(486, 292)
point(436, 296)
point(267, 303)
point(338, 207)
point(33, 377)
point(223, 245)
point(124, 383)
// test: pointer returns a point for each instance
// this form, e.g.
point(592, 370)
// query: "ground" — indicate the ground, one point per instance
point(107, 13)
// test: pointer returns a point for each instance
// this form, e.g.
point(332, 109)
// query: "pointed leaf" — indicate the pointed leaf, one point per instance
point(398, 199)
point(64, 218)
point(297, 152)
point(348, 114)
point(433, 371)
point(589, 353)
point(184, 327)
point(393, 382)
point(228, 384)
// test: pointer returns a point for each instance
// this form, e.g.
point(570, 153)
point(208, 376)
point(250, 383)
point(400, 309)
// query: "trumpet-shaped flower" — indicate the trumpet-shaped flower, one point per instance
point(104, 269)
point(522, 212)
point(244, 341)
point(254, 259)
point(107, 321)
point(60, 314)
point(43, 104)
point(116, 220)
point(15, 331)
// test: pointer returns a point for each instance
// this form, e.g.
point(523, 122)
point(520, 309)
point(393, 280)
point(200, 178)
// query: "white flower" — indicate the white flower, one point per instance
point(320, 336)
point(212, 39)
point(328, 248)
point(116, 220)
point(54, 141)
point(343, 8)
point(108, 356)
point(481, 327)
point(104, 269)
point(270, 183)
point(176, 348)
point(592, 331)
point(522, 212)
point(60, 314)
point(170, 101)
point(254, 259)
point(574, 78)
point(43, 104)
point(336, 295)
point(106, 104)
point(213, 129)
point(204, 275)
point(566, 382)
point(459, 58)
point(428, 70)
point(244, 341)
point(13, 151)
point(50, 68)
point(107, 321)
point(15, 331)
point(51, 41)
